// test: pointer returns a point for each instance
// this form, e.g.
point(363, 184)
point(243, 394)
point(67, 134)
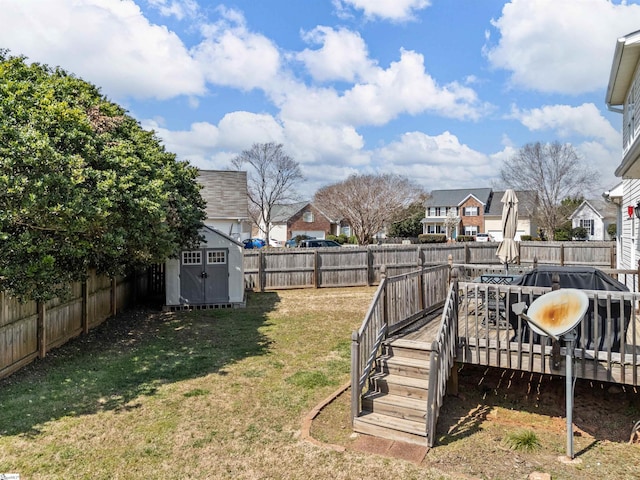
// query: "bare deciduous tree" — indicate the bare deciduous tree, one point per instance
point(271, 179)
point(555, 172)
point(367, 202)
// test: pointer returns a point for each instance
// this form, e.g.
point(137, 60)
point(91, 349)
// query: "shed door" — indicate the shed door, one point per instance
point(204, 276)
point(217, 276)
point(192, 277)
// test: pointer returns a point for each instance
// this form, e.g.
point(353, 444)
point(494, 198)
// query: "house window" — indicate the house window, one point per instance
point(587, 225)
point(346, 231)
point(470, 211)
point(192, 257)
point(307, 217)
point(216, 256)
point(436, 229)
point(471, 230)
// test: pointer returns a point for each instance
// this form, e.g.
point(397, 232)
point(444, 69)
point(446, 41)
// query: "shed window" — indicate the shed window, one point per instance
point(307, 217)
point(192, 258)
point(216, 256)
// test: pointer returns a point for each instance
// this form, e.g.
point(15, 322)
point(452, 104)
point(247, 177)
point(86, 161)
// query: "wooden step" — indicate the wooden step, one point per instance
point(410, 367)
point(408, 348)
point(400, 385)
point(392, 428)
point(409, 408)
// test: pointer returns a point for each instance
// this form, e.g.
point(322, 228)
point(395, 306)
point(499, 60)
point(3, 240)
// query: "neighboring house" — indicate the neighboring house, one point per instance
point(456, 212)
point(210, 275)
point(623, 96)
point(225, 192)
point(303, 218)
point(527, 202)
point(595, 216)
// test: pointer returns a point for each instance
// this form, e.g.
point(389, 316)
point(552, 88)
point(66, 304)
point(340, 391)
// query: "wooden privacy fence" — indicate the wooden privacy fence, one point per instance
point(282, 268)
point(29, 330)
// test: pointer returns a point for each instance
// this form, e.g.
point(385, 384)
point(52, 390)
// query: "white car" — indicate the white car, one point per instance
point(484, 237)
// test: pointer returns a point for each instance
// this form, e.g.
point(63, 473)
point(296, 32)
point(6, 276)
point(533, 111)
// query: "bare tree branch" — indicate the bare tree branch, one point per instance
point(271, 179)
point(555, 172)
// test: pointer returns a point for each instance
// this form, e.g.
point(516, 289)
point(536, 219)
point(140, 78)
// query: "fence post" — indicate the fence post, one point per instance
point(369, 261)
point(518, 247)
point(450, 262)
point(467, 253)
point(562, 254)
point(316, 273)
point(114, 299)
point(614, 261)
point(85, 307)
point(42, 327)
point(261, 279)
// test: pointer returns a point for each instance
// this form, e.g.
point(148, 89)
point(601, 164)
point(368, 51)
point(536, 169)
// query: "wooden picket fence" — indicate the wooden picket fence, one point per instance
point(28, 330)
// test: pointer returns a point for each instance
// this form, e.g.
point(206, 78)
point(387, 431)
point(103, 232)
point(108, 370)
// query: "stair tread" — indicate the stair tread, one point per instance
point(402, 380)
point(408, 361)
point(399, 400)
point(412, 344)
point(393, 423)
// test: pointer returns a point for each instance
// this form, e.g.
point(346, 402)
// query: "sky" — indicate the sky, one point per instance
point(440, 91)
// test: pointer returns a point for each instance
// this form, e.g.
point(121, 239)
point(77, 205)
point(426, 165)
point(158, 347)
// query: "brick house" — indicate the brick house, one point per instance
point(303, 218)
point(463, 209)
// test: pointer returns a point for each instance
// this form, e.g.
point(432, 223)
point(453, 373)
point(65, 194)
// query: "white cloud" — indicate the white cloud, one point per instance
point(560, 46)
point(436, 162)
point(233, 56)
point(584, 120)
point(180, 9)
point(107, 43)
point(394, 10)
point(343, 55)
point(384, 94)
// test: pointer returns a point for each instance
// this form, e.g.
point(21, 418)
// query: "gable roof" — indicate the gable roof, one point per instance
point(225, 192)
point(526, 203)
point(600, 206)
point(282, 213)
point(453, 198)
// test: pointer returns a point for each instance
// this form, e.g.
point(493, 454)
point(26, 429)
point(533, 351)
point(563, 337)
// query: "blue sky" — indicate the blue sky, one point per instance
point(440, 91)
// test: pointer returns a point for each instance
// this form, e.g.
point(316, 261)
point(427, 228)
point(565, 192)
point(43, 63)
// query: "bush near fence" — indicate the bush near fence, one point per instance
point(270, 269)
point(28, 330)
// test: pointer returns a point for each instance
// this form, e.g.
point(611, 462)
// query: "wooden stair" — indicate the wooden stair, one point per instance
point(395, 407)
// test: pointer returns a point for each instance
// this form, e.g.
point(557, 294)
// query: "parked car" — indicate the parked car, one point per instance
point(254, 243)
point(484, 237)
point(318, 243)
point(293, 242)
point(275, 243)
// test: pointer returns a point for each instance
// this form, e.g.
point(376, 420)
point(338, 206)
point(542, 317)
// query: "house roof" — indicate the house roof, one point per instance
point(625, 60)
point(225, 192)
point(526, 203)
point(452, 198)
point(282, 213)
point(600, 206)
point(207, 228)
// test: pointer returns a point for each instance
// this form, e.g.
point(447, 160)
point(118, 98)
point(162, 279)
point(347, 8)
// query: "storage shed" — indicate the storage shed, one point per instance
point(210, 276)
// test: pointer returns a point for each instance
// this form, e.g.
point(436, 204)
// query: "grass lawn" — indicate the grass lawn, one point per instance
point(214, 394)
point(221, 394)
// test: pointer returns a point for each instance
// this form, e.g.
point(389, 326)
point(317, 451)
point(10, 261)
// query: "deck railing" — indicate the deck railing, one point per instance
point(442, 358)
point(398, 301)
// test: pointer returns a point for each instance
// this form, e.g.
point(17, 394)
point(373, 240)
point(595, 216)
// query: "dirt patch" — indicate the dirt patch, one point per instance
point(493, 404)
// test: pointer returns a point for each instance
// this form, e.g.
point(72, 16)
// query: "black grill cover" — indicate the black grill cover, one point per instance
point(584, 278)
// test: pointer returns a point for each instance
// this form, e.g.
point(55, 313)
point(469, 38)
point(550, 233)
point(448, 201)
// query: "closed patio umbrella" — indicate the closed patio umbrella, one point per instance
point(508, 250)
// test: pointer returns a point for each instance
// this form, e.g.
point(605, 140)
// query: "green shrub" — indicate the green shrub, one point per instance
point(612, 230)
point(465, 238)
point(526, 238)
point(579, 233)
point(432, 238)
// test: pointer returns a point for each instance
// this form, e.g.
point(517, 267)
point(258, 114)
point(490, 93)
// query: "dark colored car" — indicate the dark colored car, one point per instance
point(318, 243)
point(294, 242)
point(254, 243)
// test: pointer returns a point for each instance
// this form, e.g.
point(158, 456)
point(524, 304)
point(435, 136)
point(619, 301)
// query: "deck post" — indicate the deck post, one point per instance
point(421, 292)
point(385, 313)
point(355, 376)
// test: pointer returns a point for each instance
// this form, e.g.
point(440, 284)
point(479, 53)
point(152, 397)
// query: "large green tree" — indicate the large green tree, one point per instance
point(82, 185)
